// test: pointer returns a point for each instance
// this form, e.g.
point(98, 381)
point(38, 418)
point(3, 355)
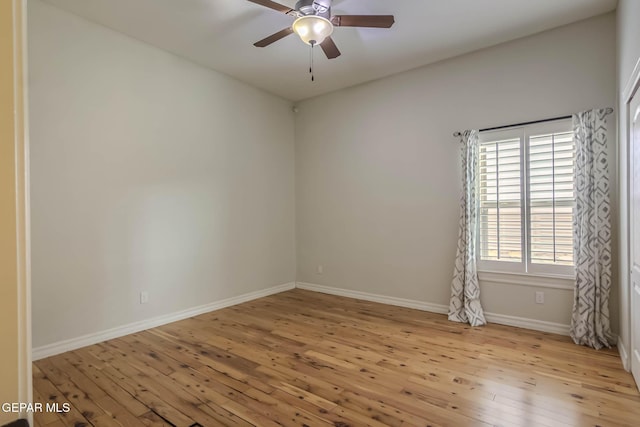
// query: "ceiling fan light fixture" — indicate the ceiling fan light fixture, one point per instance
point(312, 29)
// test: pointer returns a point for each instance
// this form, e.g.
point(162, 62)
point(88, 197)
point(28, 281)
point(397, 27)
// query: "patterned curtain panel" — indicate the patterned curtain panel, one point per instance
point(465, 291)
point(591, 231)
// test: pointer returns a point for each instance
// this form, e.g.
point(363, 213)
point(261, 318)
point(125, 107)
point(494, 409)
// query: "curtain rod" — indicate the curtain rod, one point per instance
point(608, 110)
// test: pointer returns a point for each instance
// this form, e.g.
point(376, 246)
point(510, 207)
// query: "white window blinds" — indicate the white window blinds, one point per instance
point(500, 198)
point(525, 198)
point(551, 198)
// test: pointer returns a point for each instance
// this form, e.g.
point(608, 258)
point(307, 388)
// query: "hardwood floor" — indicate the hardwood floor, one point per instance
point(302, 358)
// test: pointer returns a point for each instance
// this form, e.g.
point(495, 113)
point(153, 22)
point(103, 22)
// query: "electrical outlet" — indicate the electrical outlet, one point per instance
point(144, 297)
point(320, 269)
point(539, 297)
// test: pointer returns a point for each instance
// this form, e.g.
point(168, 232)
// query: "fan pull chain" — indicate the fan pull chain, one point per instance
point(311, 61)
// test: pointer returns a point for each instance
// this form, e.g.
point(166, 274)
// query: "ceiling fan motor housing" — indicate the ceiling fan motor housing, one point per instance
point(314, 7)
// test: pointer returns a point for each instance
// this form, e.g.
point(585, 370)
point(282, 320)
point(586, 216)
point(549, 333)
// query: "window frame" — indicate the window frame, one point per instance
point(525, 266)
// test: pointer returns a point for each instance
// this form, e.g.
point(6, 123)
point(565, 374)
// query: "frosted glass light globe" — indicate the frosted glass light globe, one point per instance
point(312, 29)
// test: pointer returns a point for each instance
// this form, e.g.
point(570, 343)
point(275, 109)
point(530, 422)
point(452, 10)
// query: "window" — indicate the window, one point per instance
point(526, 199)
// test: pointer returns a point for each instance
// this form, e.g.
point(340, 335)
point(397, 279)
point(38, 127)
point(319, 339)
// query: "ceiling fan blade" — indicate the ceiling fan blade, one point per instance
point(274, 37)
point(272, 5)
point(377, 21)
point(329, 48)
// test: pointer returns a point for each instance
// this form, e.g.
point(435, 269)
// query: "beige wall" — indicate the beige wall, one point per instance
point(149, 173)
point(377, 168)
point(15, 369)
point(628, 19)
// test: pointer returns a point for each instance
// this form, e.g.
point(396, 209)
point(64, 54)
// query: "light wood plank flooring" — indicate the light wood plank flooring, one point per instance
point(307, 359)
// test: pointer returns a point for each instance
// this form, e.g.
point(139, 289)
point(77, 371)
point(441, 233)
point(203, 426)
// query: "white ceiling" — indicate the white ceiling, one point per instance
point(220, 34)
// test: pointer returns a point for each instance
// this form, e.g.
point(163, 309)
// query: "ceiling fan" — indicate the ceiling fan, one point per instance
point(314, 23)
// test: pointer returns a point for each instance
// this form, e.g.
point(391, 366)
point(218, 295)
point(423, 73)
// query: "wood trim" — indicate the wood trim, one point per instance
point(22, 199)
point(15, 329)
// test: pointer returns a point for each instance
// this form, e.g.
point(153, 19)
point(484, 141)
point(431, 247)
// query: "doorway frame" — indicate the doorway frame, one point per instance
point(14, 221)
point(624, 162)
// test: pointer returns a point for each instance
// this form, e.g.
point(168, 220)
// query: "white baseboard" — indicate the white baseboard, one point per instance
point(526, 323)
point(383, 299)
point(89, 339)
point(502, 319)
point(624, 355)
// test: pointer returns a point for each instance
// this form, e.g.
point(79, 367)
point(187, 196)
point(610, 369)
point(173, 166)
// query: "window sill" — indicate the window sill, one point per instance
point(528, 279)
